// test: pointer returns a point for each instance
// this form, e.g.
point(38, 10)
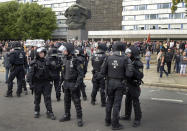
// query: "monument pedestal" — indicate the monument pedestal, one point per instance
point(77, 35)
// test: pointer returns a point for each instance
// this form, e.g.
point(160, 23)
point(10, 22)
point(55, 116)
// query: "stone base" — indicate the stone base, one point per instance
point(77, 35)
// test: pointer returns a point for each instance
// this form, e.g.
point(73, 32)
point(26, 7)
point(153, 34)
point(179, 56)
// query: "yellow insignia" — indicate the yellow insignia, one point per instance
point(82, 66)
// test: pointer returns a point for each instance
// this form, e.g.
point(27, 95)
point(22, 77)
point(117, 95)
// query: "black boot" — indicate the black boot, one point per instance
point(8, 95)
point(92, 102)
point(36, 114)
point(79, 122)
point(50, 115)
point(18, 95)
point(117, 127)
point(85, 98)
point(136, 123)
point(58, 99)
point(103, 104)
point(125, 117)
point(65, 118)
point(107, 123)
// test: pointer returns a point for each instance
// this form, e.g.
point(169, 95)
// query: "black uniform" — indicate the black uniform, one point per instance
point(17, 61)
point(133, 90)
point(98, 84)
point(116, 69)
point(39, 81)
point(73, 74)
point(55, 67)
point(82, 58)
point(168, 60)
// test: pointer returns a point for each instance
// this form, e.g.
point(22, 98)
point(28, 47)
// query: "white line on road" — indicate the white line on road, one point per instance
point(182, 93)
point(167, 100)
point(154, 90)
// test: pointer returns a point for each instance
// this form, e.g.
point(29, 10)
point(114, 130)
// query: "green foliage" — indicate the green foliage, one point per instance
point(175, 3)
point(26, 21)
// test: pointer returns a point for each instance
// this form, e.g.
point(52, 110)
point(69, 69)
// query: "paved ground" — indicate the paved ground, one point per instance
point(163, 110)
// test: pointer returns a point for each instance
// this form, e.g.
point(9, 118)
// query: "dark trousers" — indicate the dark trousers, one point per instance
point(162, 70)
point(158, 67)
point(18, 73)
point(56, 83)
point(72, 94)
point(169, 67)
point(42, 88)
point(98, 85)
point(177, 67)
point(130, 101)
point(83, 90)
point(114, 98)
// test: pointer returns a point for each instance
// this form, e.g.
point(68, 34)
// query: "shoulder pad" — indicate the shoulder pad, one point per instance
point(33, 62)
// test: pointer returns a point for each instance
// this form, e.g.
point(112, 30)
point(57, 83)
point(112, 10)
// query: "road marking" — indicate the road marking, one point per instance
point(153, 90)
point(167, 100)
point(182, 93)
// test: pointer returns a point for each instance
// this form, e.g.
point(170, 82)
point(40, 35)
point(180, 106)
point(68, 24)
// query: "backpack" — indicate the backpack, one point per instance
point(138, 73)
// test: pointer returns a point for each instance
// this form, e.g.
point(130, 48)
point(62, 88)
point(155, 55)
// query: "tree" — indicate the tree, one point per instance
point(175, 3)
point(26, 21)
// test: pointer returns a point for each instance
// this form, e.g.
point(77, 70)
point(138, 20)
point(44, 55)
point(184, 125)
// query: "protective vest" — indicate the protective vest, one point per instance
point(70, 69)
point(116, 66)
point(97, 61)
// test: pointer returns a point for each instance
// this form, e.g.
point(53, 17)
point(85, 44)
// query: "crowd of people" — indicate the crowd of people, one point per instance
point(117, 70)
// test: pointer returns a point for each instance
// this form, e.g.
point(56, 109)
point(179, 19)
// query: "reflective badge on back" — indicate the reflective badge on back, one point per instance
point(21, 56)
point(115, 64)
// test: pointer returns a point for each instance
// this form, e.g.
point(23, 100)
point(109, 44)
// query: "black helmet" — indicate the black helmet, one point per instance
point(102, 46)
point(69, 47)
point(79, 51)
point(135, 51)
point(118, 47)
point(53, 52)
point(16, 45)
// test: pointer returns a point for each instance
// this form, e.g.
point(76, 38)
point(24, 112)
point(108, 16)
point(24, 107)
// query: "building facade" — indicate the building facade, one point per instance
point(154, 17)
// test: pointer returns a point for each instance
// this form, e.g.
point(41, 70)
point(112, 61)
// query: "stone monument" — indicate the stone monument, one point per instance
point(77, 16)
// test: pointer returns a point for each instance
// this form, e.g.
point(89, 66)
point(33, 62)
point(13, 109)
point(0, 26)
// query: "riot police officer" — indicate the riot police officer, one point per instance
point(80, 55)
point(17, 61)
point(55, 67)
point(73, 76)
point(39, 81)
point(133, 87)
point(116, 68)
point(98, 84)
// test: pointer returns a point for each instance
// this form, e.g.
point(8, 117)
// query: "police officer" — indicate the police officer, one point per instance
point(98, 84)
point(17, 61)
point(133, 88)
point(80, 55)
point(55, 67)
point(116, 68)
point(73, 74)
point(39, 81)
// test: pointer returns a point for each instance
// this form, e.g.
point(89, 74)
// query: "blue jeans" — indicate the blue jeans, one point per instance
point(177, 66)
point(6, 74)
point(147, 64)
point(162, 70)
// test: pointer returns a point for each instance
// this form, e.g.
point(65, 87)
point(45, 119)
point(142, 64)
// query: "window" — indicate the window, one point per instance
point(129, 18)
point(141, 27)
point(175, 26)
point(163, 16)
point(151, 7)
point(177, 16)
point(129, 27)
point(151, 27)
point(142, 7)
point(164, 27)
point(140, 17)
point(129, 8)
point(185, 26)
point(164, 6)
point(151, 16)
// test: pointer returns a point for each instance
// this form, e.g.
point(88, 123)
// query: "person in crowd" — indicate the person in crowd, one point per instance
point(183, 62)
point(6, 64)
point(148, 58)
point(177, 61)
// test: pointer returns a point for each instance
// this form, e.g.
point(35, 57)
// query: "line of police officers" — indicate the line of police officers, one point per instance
point(113, 74)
